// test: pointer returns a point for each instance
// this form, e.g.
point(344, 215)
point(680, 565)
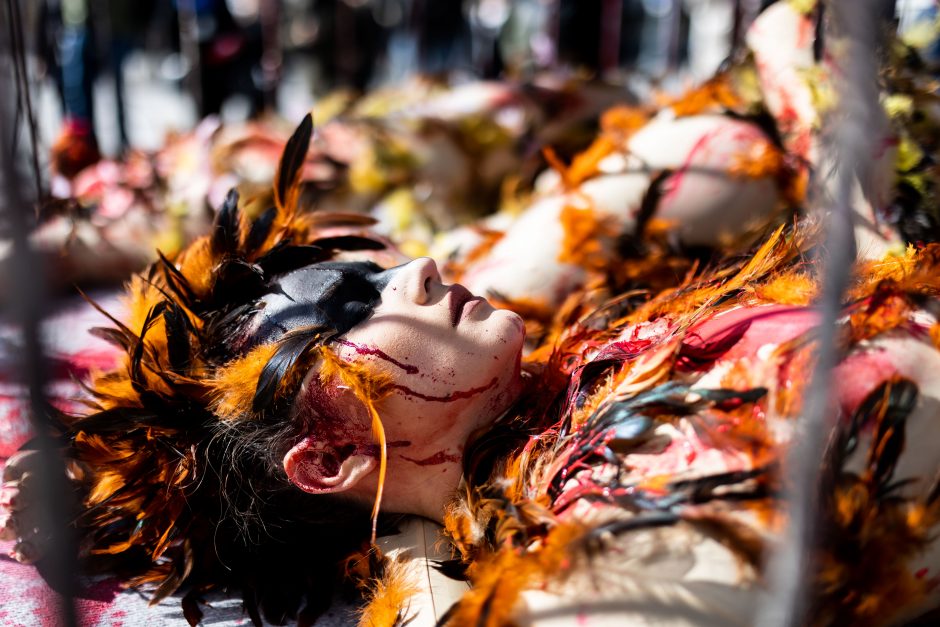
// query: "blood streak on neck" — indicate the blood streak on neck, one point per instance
point(373, 449)
point(448, 398)
point(368, 350)
point(438, 458)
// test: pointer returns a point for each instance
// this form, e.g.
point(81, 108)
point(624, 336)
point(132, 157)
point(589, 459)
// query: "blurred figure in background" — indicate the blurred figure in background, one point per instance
point(229, 41)
point(443, 35)
point(125, 22)
point(77, 39)
point(76, 146)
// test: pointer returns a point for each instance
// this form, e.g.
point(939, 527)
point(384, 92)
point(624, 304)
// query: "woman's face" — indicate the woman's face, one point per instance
point(451, 356)
point(452, 363)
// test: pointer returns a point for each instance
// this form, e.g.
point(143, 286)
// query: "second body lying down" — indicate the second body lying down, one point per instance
point(650, 434)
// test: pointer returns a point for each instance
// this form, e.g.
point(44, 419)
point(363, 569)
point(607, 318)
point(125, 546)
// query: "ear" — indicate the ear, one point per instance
point(321, 468)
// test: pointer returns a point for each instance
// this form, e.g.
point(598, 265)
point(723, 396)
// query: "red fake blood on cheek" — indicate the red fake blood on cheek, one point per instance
point(368, 350)
point(438, 458)
point(447, 398)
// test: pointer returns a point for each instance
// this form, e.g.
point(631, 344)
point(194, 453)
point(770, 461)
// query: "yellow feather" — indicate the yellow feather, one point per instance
point(233, 387)
point(378, 432)
point(368, 386)
point(388, 596)
point(791, 288)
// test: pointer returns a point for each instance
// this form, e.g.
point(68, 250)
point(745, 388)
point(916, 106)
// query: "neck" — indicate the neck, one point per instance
point(416, 485)
point(427, 490)
point(423, 480)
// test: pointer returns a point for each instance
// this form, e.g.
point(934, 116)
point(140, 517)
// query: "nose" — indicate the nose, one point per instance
point(424, 276)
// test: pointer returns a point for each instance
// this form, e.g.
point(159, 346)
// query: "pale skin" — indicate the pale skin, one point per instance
point(438, 398)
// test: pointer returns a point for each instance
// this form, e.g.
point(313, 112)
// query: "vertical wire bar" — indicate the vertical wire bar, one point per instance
point(272, 58)
point(847, 155)
point(737, 29)
point(611, 18)
point(18, 50)
point(554, 31)
point(675, 38)
point(745, 11)
point(26, 303)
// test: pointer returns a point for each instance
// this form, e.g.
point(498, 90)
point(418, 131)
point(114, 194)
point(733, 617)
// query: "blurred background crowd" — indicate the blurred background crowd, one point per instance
point(127, 71)
point(149, 110)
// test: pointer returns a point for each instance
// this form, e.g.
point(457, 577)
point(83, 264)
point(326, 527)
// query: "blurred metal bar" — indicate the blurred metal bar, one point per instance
point(675, 37)
point(611, 23)
point(745, 11)
point(24, 100)
point(26, 306)
point(553, 30)
point(846, 157)
point(271, 55)
point(819, 41)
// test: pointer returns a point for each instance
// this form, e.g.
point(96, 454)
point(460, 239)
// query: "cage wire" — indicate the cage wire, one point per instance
point(847, 151)
point(853, 28)
point(26, 303)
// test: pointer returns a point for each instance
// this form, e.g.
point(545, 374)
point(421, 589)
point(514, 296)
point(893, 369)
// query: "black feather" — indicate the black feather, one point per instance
point(291, 348)
point(127, 419)
point(283, 259)
point(237, 281)
point(727, 399)
point(295, 152)
point(339, 218)
point(177, 338)
point(349, 242)
point(650, 202)
point(117, 337)
point(594, 538)
point(631, 431)
point(137, 356)
point(260, 229)
point(224, 240)
point(895, 401)
point(191, 611)
point(181, 569)
point(120, 325)
point(445, 618)
point(453, 569)
point(176, 281)
point(702, 489)
point(224, 334)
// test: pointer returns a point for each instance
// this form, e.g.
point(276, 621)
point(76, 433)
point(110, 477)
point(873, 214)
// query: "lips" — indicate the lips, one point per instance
point(458, 297)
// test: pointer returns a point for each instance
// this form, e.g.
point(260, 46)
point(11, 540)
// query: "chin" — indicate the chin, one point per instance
point(511, 330)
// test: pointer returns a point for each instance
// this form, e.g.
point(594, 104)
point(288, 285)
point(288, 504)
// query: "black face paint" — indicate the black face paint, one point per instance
point(333, 294)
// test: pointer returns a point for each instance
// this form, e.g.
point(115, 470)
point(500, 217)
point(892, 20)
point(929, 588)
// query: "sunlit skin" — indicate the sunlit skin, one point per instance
point(453, 367)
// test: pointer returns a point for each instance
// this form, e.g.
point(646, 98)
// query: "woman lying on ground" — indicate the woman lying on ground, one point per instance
point(274, 389)
point(276, 385)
